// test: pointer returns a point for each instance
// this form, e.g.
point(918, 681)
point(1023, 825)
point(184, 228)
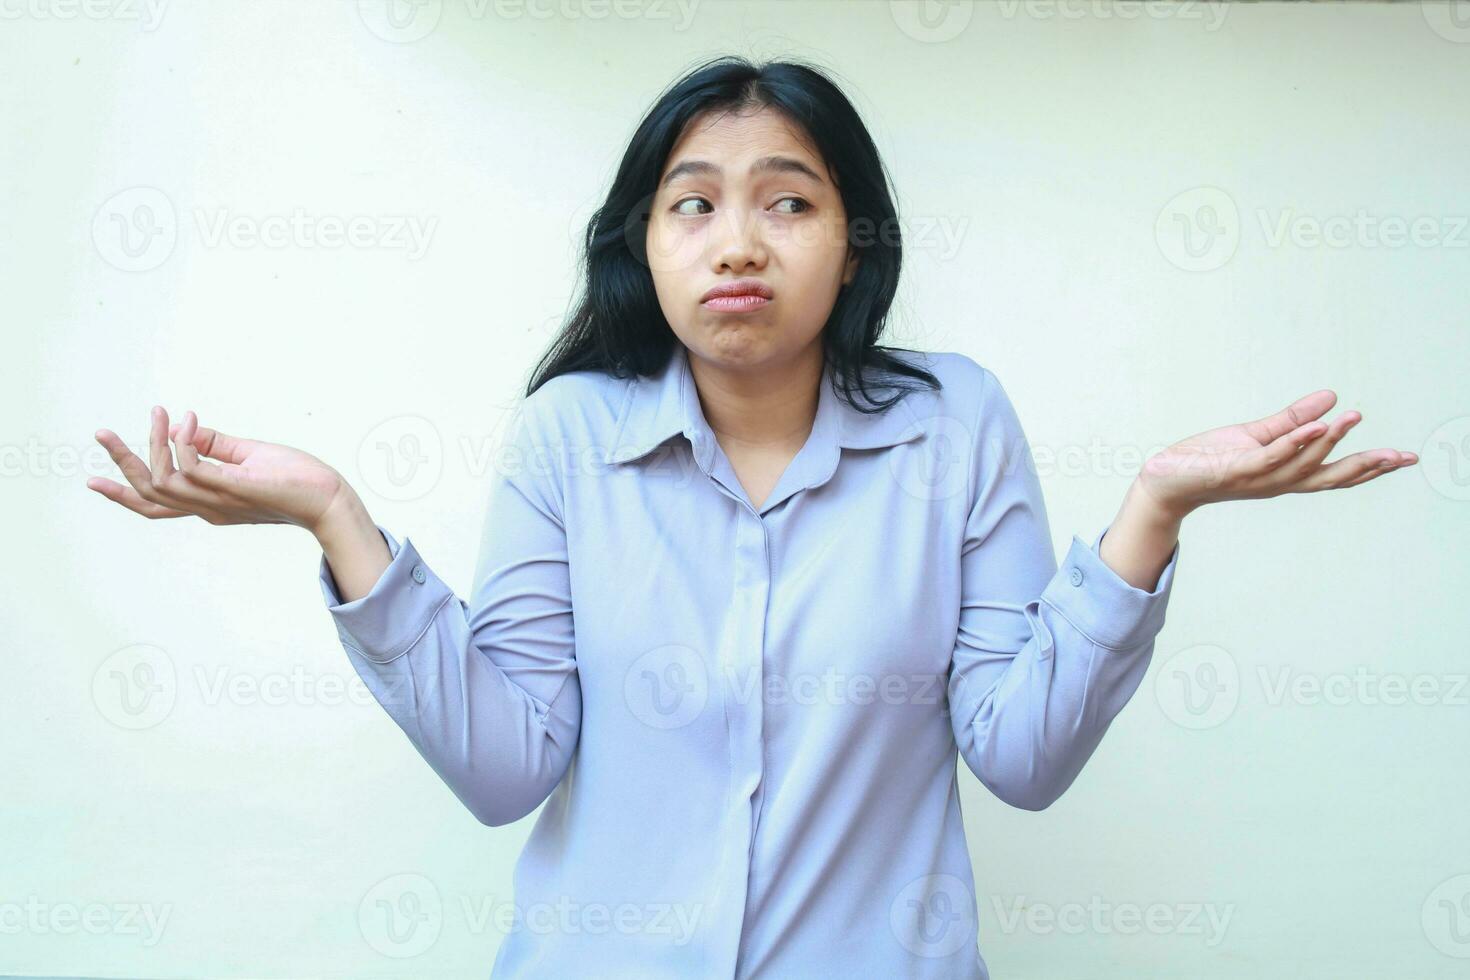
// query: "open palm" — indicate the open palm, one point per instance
point(254, 482)
point(1281, 453)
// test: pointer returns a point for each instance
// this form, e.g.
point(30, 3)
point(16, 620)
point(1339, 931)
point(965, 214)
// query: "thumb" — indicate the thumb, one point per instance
point(218, 445)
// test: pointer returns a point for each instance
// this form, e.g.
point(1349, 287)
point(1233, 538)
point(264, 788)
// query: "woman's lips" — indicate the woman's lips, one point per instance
point(736, 304)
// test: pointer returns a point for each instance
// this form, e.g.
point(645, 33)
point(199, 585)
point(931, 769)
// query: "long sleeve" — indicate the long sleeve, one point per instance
point(486, 690)
point(1045, 656)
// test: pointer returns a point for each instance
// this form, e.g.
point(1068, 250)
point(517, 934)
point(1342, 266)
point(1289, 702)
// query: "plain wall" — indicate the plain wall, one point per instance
point(1111, 207)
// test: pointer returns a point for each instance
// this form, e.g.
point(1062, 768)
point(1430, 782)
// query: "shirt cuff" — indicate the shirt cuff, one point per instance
point(385, 624)
point(1100, 604)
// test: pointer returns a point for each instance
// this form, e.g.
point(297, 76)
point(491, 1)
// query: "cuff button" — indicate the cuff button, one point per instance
point(418, 574)
point(1075, 576)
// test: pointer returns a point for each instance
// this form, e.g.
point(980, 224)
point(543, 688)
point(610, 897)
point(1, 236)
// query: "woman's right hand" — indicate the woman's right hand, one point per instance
point(254, 482)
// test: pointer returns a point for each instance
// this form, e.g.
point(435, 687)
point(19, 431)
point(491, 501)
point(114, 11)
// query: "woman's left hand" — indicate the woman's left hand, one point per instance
point(1281, 453)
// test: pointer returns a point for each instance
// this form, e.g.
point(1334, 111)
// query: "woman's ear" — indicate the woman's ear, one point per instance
point(852, 264)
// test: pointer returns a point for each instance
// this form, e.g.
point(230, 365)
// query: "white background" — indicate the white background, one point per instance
point(1094, 200)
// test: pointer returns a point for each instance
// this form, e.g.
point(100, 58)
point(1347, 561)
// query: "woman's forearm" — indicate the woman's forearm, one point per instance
point(1140, 540)
point(353, 545)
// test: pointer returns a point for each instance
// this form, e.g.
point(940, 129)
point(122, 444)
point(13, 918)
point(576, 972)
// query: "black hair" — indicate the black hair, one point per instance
point(617, 325)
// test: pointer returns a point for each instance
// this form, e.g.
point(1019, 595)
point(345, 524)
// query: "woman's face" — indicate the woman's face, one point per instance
point(741, 197)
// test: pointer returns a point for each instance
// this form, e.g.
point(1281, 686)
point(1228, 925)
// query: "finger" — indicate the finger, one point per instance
point(160, 458)
point(227, 477)
point(130, 499)
point(182, 434)
point(1303, 410)
point(1406, 459)
point(216, 445)
point(133, 468)
point(1349, 470)
point(198, 486)
point(173, 496)
point(170, 486)
point(1270, 457)
point(200, 474)
point(225, 480)
point(1373, 473)
point(1318, 449)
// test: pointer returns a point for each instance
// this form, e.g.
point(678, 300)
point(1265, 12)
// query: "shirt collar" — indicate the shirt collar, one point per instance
point(659, 406)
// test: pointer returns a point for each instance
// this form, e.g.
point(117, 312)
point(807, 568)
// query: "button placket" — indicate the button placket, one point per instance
point(740, 663)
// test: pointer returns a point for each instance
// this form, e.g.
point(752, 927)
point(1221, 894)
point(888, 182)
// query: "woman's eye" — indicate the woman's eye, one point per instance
point(689, 200)
point(802, 205)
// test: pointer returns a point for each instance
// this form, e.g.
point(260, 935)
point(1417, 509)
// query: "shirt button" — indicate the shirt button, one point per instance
point(418, 574)
point(1075, 576)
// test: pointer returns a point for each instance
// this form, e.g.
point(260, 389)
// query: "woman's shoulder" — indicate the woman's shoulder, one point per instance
point(577, 388)
point(946, 364)
point(567, 411)
point(964, 383)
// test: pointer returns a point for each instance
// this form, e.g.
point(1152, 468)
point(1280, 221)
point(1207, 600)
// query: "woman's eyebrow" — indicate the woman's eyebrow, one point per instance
point(765, 165)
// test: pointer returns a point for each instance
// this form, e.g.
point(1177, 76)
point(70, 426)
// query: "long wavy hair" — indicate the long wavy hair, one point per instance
point(617, 325)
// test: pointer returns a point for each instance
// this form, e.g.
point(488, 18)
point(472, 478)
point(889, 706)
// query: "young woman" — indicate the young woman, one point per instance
point(750, 583)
